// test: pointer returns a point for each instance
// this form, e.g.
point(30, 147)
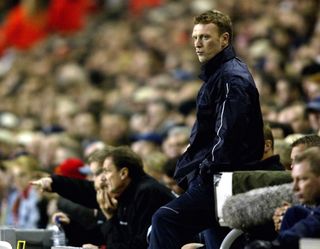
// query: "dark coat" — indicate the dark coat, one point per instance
point(228, 132)
point(308, 227)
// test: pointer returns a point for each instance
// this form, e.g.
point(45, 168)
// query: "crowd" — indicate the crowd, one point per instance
point(129, 76)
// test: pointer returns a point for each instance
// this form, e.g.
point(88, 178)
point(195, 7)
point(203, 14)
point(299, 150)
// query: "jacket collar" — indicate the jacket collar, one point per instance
point(212, 65)
point(130, 191)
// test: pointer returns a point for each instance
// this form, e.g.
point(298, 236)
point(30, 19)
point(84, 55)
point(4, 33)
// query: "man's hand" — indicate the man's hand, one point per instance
point(278, 215)
point(90, 246)
point(62, 217)
point(107, 203)
point(44, 184)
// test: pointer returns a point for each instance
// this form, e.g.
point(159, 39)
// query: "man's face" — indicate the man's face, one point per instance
point(21, 177)
point(306, 185)
point(207, 41)
point(114, 180)
point(175, 145)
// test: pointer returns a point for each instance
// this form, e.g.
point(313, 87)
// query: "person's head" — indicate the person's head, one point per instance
point(167, 178)
point(306, 176)
point(113, 128)
point(295, 116)
point(283, 149)
point(153, 164)
point(120, 167)
point(24, 169)
point(176, 141)
point(313, 113)
point(212, 32)
point(303, 143)
point(268, 142)
point(95, 160)
point(85, 125)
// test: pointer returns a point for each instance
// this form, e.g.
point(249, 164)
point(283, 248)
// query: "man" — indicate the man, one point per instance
point(125, 194)
point(301, 144)
point(297, 147)
point(227, 135)
point(240, 210)
point(299, 221)
point(269, 160)
point(81, 224)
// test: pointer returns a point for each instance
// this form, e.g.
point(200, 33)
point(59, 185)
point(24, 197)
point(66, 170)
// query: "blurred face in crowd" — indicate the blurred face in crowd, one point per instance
point(314, 120)
point(113, 128)
point(175, 145)
point(85, 125)
point(21, 177)
point(207, 41)
point(296, 150)
point(294, 115)
point(306, 184)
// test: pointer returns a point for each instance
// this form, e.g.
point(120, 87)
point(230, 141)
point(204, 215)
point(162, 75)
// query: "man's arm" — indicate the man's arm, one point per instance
point(76, 190)
point(308, 227)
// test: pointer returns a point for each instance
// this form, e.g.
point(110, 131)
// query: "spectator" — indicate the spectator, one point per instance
point(82, 224)
point(176, 141)
point(269, 160)
point(123, 193)
point(295, 116)
point(283, 149)
point(302, 144)
point(24, 205)
point(114, 129)
point(299, 221)
point(313, 112)
point(167, 177)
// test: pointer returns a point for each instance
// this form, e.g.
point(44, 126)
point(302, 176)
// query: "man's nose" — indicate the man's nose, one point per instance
point(197, 43)
point(295, 187)
point(103, 177)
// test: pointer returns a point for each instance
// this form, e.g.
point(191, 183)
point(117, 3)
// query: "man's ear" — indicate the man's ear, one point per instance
point(267, 145)
point(124, 173)
point(224, 39)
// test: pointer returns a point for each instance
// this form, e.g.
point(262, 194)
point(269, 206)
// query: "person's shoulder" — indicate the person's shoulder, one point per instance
point(235, 67)
point(237, 73)
point(148, 183)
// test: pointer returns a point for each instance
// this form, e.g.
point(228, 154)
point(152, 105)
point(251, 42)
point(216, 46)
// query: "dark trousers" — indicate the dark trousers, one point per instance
point(179, 222)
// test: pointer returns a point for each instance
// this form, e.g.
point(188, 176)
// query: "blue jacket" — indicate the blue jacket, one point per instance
point(306, 227)
point(228, 132)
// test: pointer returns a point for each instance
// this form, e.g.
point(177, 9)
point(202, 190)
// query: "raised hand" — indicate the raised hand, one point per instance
point(43, 184)
point(107, 203)
point(278, 215)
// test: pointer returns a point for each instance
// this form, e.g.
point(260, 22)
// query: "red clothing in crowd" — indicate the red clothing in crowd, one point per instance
point(22, 31)
point(67, 15)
